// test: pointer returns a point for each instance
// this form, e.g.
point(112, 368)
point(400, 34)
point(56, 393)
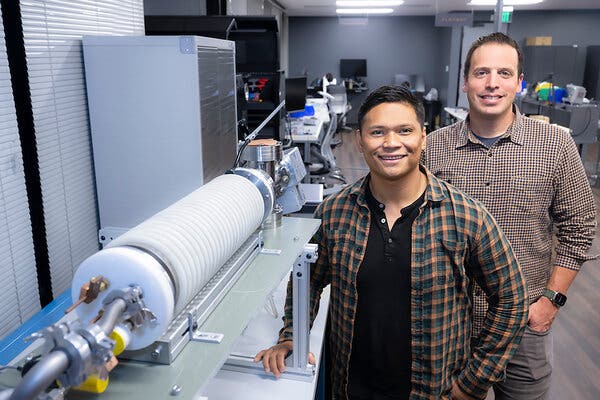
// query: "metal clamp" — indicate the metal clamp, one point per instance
point(136, 310)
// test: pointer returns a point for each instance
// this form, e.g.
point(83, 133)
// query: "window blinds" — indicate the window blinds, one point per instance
point(52, 31)
point(19, 297)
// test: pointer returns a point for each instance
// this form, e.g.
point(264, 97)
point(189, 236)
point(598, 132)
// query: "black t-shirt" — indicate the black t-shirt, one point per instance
point(380, 362)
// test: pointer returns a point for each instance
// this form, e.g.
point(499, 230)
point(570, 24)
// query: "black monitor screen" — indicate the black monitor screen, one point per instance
point(295, 94)
point(353, 68)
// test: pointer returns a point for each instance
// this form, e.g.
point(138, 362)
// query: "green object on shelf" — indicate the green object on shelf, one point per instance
point(558, 94)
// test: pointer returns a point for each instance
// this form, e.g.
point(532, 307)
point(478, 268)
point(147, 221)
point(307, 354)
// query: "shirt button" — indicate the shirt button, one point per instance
point(390, 240)
point(381, 205)
point(383, 220)
point(490, 154)
point(488, 183)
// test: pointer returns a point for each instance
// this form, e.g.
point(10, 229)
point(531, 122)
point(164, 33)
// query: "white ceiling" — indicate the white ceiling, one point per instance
point(428, 7)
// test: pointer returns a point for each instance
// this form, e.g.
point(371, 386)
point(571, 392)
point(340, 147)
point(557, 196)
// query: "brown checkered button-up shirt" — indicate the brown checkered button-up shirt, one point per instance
point(454, 241)
point(532, 180)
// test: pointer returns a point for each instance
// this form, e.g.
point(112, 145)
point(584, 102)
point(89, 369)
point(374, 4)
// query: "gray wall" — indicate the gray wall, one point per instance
point(581, 28)
point(390, 44)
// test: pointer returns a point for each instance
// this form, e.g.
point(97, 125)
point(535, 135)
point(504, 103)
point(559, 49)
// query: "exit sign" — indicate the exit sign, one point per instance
point(506, 17)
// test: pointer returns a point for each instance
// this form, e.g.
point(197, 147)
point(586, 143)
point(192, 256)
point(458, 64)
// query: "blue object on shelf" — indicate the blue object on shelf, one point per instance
point(308, 112)
point(558, 94)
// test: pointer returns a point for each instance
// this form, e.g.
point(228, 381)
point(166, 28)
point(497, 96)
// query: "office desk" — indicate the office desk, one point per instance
point(321, 108)
point(581, 119)
point(310, 129)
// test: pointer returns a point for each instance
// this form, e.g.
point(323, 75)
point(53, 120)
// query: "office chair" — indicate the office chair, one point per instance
point(340, 99)
point(339, 104)
point(324, 153)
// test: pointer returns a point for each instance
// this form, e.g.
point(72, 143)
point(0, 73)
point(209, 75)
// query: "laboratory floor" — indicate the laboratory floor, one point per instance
point(576, 330)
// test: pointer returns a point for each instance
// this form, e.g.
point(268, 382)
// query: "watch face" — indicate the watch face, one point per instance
point(560, 299)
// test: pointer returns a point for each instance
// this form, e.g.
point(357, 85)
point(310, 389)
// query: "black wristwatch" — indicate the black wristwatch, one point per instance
point(557, 298)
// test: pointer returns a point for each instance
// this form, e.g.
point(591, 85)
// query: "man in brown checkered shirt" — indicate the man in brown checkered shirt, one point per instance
point(530, 177)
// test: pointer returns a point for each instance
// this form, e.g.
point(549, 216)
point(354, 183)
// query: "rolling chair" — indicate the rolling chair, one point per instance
point(339, 102)
point(324, 153)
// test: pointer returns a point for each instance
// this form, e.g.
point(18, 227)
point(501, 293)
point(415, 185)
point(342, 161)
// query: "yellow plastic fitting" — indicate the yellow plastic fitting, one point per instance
point(93, 384)
point(122, 337)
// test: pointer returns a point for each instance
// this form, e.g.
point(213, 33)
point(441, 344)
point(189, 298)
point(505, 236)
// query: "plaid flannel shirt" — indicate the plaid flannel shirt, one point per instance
point(455, 241)
point(531, 180)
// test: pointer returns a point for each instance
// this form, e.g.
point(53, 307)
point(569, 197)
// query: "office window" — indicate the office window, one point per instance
point(52, 31)
point(19, 297)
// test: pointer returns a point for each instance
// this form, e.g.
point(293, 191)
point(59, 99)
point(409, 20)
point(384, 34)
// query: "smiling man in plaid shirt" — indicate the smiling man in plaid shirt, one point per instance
point(401, 250)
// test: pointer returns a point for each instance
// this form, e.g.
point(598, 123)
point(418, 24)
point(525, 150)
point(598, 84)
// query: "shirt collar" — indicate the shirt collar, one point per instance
point(514, 131)
point(435, 191)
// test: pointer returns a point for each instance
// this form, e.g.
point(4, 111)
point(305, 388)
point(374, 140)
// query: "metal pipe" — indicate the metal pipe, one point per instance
point(41, 376)
point(112, 313)
point(269, 117)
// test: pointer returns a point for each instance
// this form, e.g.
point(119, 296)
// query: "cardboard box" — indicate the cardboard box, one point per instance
point(538, 41)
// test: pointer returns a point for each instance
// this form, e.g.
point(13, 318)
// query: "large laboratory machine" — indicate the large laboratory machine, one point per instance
point(193, 244)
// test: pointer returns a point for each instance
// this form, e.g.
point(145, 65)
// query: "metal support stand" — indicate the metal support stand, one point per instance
point(299, 369)
point(301, 305)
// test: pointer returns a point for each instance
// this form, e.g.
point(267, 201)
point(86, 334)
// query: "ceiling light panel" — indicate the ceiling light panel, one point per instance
point(368, 3)
point(364, 10)
point(505, 2)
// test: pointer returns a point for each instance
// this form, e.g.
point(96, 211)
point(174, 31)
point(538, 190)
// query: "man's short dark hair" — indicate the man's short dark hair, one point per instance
point(391, 94)
point(497, 38)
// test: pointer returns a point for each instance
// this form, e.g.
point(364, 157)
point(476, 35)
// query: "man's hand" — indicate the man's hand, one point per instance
point(542, 314)
point(274, 358)
point(458, 394)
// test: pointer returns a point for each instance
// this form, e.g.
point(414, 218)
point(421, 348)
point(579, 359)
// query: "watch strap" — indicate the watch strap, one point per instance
point(557, 298)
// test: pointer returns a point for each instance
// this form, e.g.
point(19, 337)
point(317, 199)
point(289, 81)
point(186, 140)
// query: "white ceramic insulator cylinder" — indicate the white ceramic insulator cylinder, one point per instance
point(174, 253)
point(195, 236)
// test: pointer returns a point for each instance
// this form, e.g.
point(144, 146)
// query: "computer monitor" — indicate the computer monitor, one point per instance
point(353, 68)
point(295, 94)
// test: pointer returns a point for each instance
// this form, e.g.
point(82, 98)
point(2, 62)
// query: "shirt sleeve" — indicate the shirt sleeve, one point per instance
point(573, 210)
point(494, 266)
point(320, 277)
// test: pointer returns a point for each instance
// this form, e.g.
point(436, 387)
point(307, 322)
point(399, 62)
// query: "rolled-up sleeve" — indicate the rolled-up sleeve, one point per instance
point(573, 210)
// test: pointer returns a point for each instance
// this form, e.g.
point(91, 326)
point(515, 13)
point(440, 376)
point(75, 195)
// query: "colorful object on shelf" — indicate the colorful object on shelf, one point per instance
point(309, 111)
point(547, 92)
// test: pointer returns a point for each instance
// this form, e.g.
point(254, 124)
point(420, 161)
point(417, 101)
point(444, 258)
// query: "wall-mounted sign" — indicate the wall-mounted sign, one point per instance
point(454, 19)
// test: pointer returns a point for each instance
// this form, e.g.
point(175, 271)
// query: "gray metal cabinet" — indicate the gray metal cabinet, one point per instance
point(556, 63)
point(163, 121)
point(591, 78)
